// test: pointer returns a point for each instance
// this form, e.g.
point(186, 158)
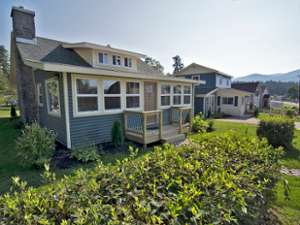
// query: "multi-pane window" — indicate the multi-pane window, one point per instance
point(127, 62)
point(187, 95)
point(103, 58)
point(116, 60)
point(40, 95)
point(177, 94)
point(112, 94)
point(53, 96)
point(165, 93)
point(196, 77)
point(227, 100)
point(87, 95)
point(132, 94)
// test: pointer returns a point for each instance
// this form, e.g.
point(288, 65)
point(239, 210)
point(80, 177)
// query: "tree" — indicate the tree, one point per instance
point(178, 65)
point(154, 63)
point(293, 92)
point(4, 62)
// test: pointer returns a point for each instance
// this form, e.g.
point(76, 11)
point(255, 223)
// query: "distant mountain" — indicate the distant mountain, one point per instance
point(283, 77)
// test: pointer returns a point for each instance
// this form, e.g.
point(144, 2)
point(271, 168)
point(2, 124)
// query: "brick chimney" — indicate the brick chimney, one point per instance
point(22, 76)
point(23, 22)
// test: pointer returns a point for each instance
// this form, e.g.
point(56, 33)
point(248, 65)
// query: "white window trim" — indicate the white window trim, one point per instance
point(56, 114)
point(39, 92)
point(113, 95)
point(168, 94)
point(107, 58)
point(112, 60)
point(177, 94)
point(76, 95)
point(128, 60)
point(133, 95)
point(190, 94)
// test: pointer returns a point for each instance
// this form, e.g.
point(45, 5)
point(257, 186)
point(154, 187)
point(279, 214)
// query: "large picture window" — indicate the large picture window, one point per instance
point(132, 95)
point(53, 102)
point(177, 94)
point(87, 95)
point(187, 95)
point(112, 94)
point(165, 93)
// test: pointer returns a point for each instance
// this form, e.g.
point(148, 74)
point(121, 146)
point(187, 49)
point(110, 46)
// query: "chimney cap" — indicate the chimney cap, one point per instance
point(21, 9)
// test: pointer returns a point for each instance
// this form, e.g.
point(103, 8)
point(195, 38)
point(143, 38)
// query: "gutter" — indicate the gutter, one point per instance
point(58, 67)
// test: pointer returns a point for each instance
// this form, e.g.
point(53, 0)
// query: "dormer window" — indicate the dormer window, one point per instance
point(103, 58)
point(116, 60)
point(127, 62)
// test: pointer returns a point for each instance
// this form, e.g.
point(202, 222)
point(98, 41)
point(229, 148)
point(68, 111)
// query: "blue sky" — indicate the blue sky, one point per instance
point(238, 37)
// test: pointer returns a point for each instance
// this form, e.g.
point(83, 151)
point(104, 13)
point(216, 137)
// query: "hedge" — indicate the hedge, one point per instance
point(277, 129)
point(215, 180)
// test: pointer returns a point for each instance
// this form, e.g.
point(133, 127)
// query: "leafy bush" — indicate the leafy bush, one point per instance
point(85, 154)
point(216, 180)
point(117, 134)
point(13, 112)
point(36, 145)
point(290, 112)
point(210, 127)
point(199, 124)
point(277, 129)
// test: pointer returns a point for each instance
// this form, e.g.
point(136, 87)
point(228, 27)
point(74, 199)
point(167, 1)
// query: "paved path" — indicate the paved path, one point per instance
point(290, 172)
point(251, 120)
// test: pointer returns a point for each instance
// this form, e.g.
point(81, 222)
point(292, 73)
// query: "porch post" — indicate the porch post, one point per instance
point(191, 118)
point(145, 129)
point(160, 124)
point(180, 120)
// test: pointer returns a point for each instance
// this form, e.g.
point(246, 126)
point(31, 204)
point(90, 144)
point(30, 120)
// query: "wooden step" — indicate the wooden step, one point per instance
point(174, 139)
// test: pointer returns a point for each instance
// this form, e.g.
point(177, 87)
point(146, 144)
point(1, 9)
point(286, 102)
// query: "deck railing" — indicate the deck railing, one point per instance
point(148, 126)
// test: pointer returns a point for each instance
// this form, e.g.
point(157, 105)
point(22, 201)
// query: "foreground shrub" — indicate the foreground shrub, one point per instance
point(117, 134)
point(216, 180)
point(277, 129)
point(36, 145)
point(85, 154)
point(210, 127)
point(256, 112)
point(199, 124)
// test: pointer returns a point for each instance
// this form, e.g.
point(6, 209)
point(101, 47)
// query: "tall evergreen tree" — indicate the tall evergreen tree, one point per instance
point(178, 65)
point(4, 62)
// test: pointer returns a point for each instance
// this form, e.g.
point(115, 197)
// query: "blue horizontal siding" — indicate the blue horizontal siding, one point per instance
point(57, 124)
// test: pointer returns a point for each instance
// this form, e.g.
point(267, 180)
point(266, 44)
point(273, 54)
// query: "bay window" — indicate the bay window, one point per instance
point(132, 95)
point(177, 94)
point(53, 102)
point(165, 95)
point(187, 95)
point(112, 94)
point(87, 95)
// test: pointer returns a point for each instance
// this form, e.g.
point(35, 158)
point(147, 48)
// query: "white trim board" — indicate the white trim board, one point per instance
point(67, 115)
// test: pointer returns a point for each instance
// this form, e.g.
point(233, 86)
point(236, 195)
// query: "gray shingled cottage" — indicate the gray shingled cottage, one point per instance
point(80, 89)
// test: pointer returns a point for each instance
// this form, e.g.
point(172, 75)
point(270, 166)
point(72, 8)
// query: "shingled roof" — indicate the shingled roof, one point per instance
point(47, 50)
point(245, 86)
point(52, 51)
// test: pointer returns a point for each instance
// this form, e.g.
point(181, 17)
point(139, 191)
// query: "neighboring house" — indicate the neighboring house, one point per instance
point(260, 97)
point(216, 94)
point(80, 89)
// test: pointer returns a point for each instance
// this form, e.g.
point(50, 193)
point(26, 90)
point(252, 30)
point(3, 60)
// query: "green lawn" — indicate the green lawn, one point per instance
point(287, 210)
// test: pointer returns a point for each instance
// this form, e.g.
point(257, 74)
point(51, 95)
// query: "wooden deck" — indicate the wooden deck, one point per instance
point(148, 127)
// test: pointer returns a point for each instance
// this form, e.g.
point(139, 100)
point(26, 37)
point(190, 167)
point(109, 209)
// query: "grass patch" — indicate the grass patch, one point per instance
point(288, 210)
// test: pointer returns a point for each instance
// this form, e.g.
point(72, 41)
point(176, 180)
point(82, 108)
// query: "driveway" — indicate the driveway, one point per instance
point(251, 120)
